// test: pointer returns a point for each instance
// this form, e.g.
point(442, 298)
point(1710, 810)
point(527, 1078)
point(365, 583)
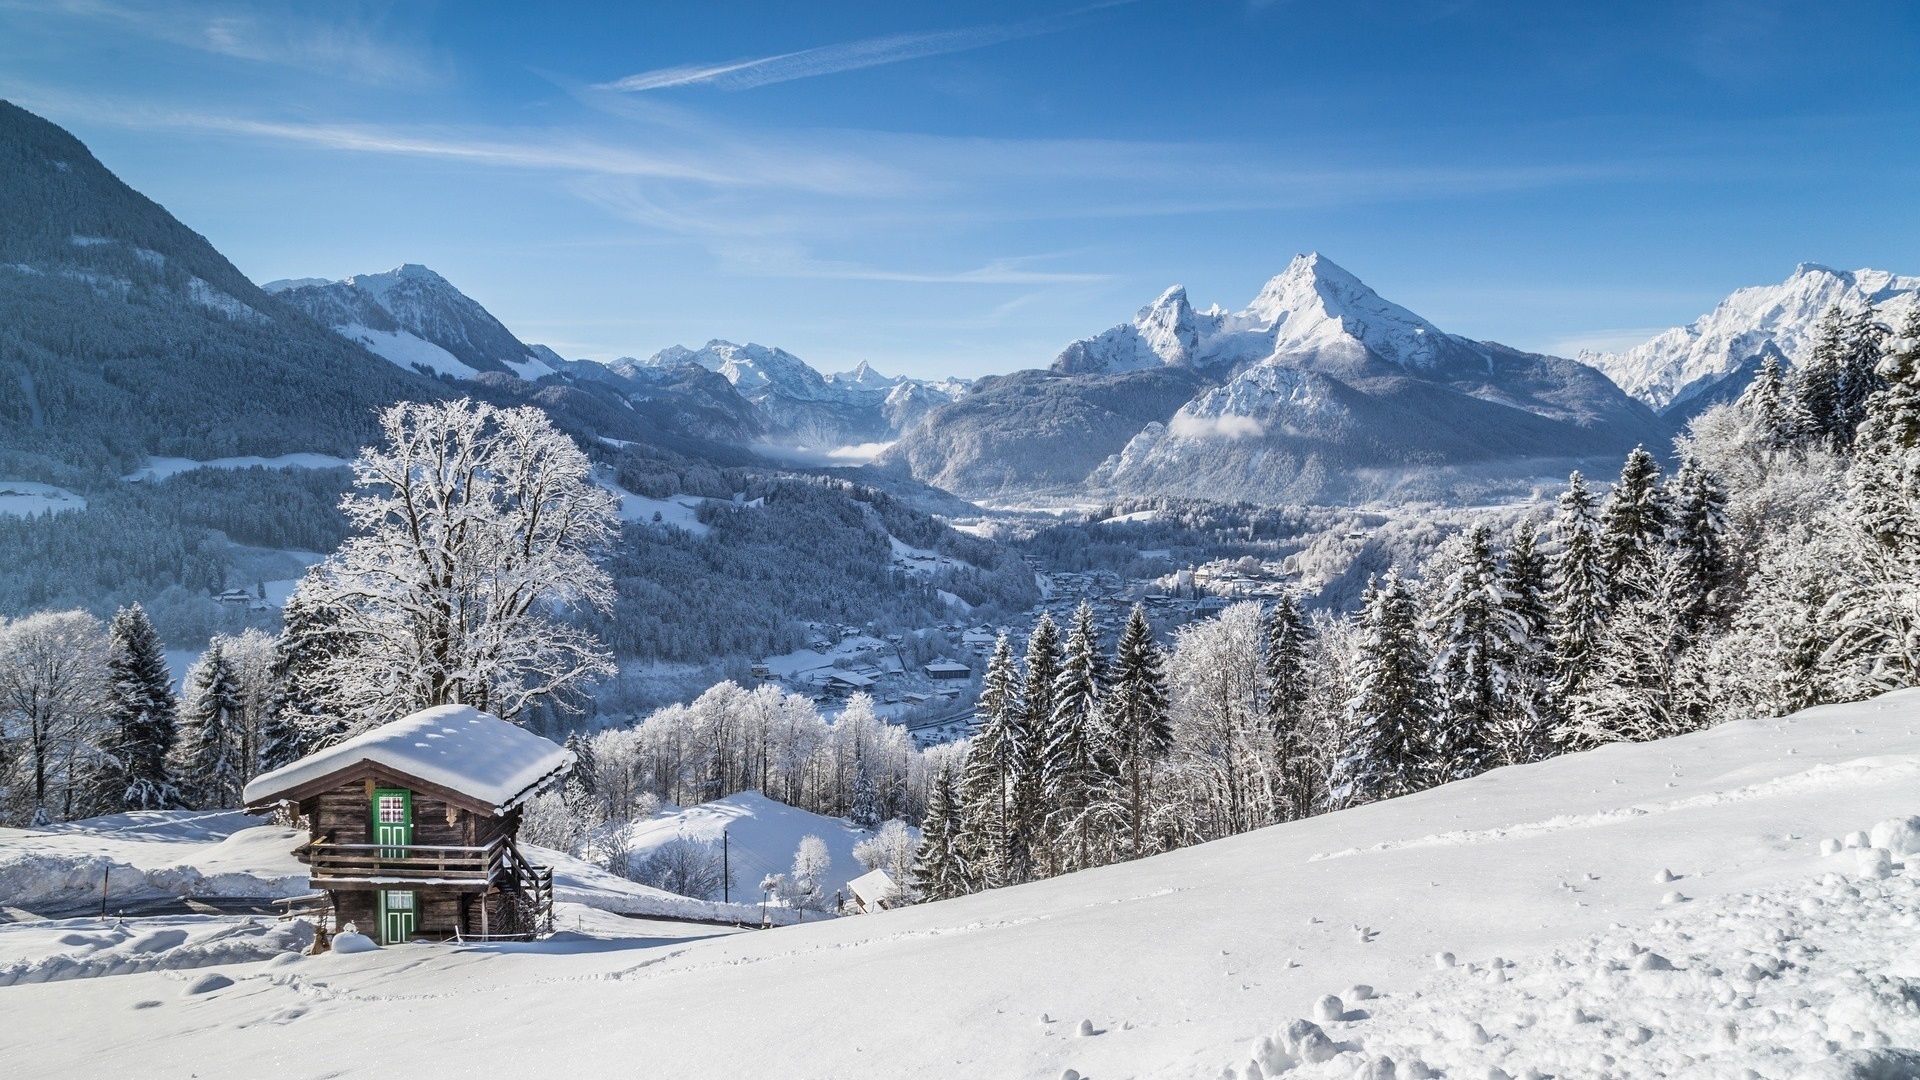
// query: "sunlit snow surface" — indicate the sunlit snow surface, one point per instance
point(1704, 851)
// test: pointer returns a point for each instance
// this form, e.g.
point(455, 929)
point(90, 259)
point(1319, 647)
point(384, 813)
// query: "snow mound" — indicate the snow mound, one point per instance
point(145, 855)
point(349, 943)
point(52, 951)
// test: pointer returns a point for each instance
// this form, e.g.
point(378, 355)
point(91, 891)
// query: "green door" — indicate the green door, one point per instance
point(393, 821)
point(398, 915)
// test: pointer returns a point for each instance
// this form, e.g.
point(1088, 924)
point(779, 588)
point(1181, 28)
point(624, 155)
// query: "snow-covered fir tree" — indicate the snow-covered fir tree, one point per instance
point(307, 709)
point(1633, 527)
point(142, 712)
point(1028, 812)
point(1470, 660)
point(1579, 576)
point(212, 767)
point(1877, 607)
point(1077, 750)
point(1142, 729)
point(986, 837)
point(1524, 720)
point(1840, 376)
point(1286, 687)
point(1698, 536)
point(1392, 711)
point(1647, 681)
point(940, 870)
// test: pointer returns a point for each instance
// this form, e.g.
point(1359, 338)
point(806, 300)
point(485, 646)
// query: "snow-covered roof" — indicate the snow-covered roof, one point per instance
point(457, 747)
point(872, 887)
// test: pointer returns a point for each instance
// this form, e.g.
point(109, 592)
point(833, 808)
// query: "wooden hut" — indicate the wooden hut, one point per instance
point(411, 826)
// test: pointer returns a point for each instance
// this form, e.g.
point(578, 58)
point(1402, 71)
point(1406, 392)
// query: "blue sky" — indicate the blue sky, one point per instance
point(964, 188)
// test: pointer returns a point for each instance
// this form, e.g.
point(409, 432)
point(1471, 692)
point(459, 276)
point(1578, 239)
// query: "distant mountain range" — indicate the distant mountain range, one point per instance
point(127, 334)
point(1320, 389)
point(1690, 362)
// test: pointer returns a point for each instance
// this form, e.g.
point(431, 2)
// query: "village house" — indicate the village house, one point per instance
point(411, 826)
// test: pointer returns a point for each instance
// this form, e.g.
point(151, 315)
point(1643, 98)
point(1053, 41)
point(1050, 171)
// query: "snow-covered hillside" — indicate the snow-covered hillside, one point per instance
point(1783, 318)
point(417, 319)
point(761, 837)
point(1637, 911)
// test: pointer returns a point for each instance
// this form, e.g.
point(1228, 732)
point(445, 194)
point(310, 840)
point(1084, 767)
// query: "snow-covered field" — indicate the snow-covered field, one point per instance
point(147, 855)
point(159, 468)
point(1649, 910)
point(23, 498)
point(761, 837)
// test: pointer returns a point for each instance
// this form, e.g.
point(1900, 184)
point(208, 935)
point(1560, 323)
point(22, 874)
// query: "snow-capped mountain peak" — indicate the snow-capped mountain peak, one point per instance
point(1315, 306)
point(1314, 313)
point(1678, 363)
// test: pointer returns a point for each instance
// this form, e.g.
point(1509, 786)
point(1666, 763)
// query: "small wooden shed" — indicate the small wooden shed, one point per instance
point(411, 826)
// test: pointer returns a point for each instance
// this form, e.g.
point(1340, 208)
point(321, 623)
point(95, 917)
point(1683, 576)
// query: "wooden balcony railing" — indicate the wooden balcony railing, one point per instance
point(386, 864)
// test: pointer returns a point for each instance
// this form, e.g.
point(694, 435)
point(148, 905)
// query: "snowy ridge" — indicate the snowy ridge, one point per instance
point(1313, 313)
point(1677, 363)
point(417, 319)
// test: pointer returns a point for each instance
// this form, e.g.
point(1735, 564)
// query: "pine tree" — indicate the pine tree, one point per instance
point(1768, 399)
point(1645, 684)
point(1142, 726)
point(1698, 536)
point(1579, 587)
point(1286, 687)
point(1633, 526)
point(1877, 605)
point(1028, 811)
point(1841, 375)
point(307, 708)
point(987, 786)
point(939, 870)
point(1076, 749)
point(142, 713)
point(1525, 720)
point(1391, 712)
point(212, 767)
point(1469, 661)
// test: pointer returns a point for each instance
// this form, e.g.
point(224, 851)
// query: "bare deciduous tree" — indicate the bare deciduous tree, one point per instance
point(476, 527)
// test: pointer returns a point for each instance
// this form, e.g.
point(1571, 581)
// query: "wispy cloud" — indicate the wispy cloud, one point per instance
point(346, 44)
point(845, 56)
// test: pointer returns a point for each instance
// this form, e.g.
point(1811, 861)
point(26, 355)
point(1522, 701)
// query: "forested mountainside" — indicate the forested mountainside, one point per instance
point(124, 336)
point(124, 333)
point(1320, 390)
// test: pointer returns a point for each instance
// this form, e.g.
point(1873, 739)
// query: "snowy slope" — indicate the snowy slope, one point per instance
point(1685, 360)
point(761, 834)
point(1181, 963)
point(148, 854)
point(415, 318)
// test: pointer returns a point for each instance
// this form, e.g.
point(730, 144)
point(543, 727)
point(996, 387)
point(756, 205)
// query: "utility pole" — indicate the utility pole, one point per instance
point(726, 870)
